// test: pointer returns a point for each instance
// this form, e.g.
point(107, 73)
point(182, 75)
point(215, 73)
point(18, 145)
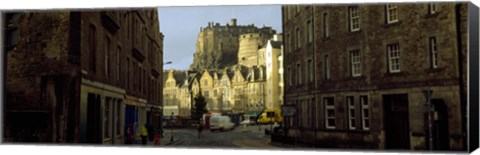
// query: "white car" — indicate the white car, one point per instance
point(247, 122)
point(221, 123)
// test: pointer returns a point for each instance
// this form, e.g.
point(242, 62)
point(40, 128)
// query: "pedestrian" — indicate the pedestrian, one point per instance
point(144, 134)
point(129, 135)
point(137, 134)
point(200, 128)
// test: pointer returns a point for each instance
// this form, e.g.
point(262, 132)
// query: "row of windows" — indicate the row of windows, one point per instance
point(136, 75)
point(391, 11)
point(308, 113)
point(394, 63)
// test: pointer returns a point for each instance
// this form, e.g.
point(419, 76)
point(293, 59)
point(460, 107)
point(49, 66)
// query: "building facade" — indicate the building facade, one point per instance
point(365, 75)
point(88, 75)
point(273, 88)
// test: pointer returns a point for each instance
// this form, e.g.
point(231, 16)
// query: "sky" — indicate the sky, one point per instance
point(181, 25)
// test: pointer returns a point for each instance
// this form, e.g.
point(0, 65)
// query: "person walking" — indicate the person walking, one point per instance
point(200, 128)
point(129, 135)
point(144, 134)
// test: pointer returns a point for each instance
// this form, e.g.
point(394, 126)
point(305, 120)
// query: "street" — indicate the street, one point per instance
point(251, 138)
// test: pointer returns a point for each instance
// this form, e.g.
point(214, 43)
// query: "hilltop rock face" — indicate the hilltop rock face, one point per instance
point(217, 45)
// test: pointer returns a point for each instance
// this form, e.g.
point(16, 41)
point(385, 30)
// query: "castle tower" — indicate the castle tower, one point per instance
point(248, 47)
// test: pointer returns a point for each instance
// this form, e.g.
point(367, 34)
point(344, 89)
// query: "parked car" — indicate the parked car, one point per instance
point(221, 123)
point(248, 122)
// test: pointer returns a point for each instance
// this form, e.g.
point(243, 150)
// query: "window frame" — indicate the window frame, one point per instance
point(392, 13)
point(298, 35)
point(326, 67)
point(355, 63)
point(432, 8)
point(351, 110)
point(325, 25)
point(433, 52)
point(393, 55)
point(329, 104)
point(354, 20)
point(365, 105)
point(309, 31)
point(310, 70)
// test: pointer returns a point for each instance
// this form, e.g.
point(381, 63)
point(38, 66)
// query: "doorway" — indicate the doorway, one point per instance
point(440, 125)
point(93, 119)
point(396, 121)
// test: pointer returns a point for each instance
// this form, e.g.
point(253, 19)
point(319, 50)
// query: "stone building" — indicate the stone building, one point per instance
point(255, 91)
point(217, 45)
point(363, 81)
point(172, 92)
point(81, 77)
point(274, 72)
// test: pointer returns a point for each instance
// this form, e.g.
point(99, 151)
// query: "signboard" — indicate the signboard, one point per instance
point(289, 110)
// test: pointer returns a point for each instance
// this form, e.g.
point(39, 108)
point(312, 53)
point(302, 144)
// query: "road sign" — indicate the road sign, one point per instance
point(289, 110)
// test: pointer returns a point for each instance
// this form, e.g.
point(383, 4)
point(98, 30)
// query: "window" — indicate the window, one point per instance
point(92, 44)
point(354, 18)
point(205, 93)
point(325, 25)
point(289, 74)
point(128, 73)
point(205, 82)
point(392, 13)
point(310, 70)
point(355, 62)
point(351, 113)
point(433, 52)
point(107, 53)
point(393, 58)
point(432, 8)
point(309, 31)
point(288, 43)
point(118, 64)
point(106, 118)
point(329, 112)
point(298, 38)
point(12, 35)
point(365, 112)
point(326, 68)
point(299, 74)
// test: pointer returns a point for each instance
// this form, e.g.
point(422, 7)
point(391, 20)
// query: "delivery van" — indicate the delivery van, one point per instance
point(264, 119)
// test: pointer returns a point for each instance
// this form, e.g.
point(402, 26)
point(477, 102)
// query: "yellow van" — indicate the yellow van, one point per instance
point(263, 119)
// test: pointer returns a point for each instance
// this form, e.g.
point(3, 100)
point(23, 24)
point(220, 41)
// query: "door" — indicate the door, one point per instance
point(396, 121)
point(93, 119)
point(440, 125)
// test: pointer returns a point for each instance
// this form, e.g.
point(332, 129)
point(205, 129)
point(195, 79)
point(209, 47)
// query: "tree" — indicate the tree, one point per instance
point(199, 107)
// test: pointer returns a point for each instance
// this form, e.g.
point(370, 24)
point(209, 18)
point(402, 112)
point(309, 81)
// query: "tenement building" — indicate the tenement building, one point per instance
point(81, 77)
point(386, 76)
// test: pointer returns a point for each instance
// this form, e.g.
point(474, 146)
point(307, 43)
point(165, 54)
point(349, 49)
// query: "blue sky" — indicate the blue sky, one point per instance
point(181, 25)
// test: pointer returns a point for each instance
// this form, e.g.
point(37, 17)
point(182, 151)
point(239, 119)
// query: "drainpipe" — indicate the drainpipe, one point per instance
point(460, 70)
point(314, 76)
